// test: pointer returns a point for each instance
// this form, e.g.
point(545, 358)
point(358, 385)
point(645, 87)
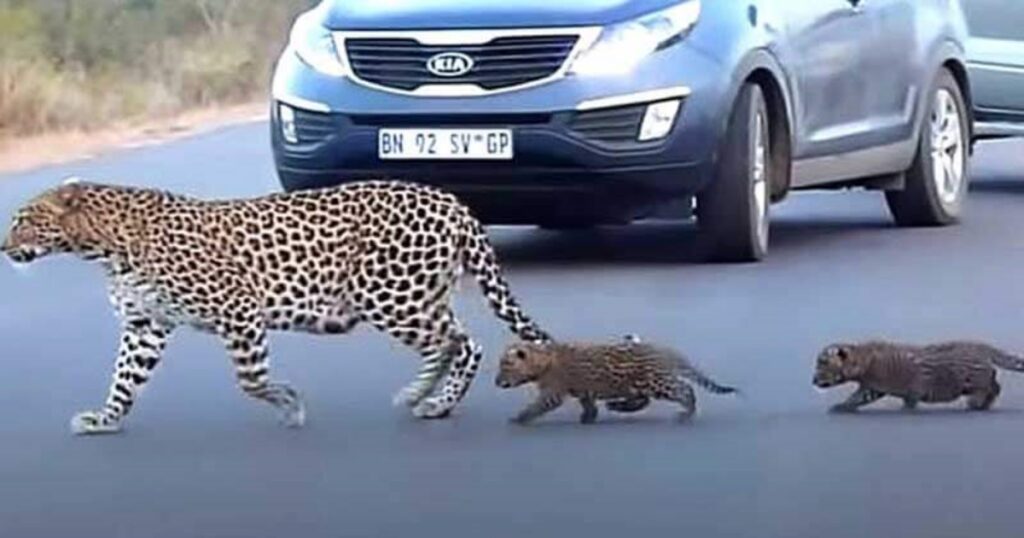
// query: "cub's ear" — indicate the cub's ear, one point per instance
point(853, 366)
point(838, 350)
point(63, 199)
point(69, 195)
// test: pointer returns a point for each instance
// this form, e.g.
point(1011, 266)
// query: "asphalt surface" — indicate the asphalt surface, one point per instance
point(197, 459)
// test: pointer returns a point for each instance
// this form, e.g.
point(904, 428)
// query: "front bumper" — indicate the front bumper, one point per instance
point(573, 145)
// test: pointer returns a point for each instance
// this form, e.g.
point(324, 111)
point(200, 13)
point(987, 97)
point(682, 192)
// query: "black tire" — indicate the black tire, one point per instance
point(922, 202)
point(733, 223)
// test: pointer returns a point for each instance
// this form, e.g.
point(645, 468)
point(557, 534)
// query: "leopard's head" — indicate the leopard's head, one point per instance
point(837, 364)
point(50, 223)
point(523, 362)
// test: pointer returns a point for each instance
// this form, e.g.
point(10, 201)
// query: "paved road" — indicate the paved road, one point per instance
point(200, 460)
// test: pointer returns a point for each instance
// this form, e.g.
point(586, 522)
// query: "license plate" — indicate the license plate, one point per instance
point(444, 144)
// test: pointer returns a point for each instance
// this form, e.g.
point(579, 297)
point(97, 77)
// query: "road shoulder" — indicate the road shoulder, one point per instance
point(22, 154)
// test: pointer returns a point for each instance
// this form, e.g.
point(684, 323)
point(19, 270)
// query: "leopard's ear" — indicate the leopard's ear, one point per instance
point(76, 219)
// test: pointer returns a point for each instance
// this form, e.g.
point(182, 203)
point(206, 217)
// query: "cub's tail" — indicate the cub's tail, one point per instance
point(479, 259)
point(691, 372)
point(1007, 361)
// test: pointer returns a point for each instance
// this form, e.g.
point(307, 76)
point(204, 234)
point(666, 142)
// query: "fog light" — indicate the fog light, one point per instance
point(287, 116)
point(658, 120)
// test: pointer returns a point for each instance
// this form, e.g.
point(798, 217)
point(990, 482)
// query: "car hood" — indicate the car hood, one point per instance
point(446, 14)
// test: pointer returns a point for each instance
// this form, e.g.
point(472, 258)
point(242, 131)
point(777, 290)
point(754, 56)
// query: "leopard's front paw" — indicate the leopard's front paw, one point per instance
point(431, 408)
point(94, 422)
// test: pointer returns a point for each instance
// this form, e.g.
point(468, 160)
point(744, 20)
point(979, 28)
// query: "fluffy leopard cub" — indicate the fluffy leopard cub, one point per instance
point(626, 375)
point(932, 374)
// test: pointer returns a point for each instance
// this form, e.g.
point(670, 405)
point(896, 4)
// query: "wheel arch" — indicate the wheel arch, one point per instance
point(948, 55)
point(781, 135)
point(963, 80)
point(759, 66)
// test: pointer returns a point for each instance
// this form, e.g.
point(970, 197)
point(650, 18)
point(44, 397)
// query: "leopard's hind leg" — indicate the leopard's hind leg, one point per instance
point(681, 393)
point(436, 350)
point(982, 399)
point(589, 415)
point(465, 361)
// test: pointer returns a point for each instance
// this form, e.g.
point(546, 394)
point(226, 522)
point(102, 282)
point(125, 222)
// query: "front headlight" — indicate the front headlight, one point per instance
point(622, 46)
point(314, 45)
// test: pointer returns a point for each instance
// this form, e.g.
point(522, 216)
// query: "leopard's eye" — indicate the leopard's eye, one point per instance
point(519, 355)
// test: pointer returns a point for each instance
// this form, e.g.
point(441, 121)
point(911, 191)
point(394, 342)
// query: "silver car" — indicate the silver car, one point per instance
point(995, 53)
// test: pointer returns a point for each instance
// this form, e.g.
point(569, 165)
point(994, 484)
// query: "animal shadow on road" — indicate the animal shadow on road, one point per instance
point(1000, 185)
point(928, 412)
point(660, 242)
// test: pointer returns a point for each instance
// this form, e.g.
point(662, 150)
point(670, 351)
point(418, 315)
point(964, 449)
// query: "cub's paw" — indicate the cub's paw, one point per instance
point(93, 423)
point(408, 397)
point(519, 420)
point(431, 408)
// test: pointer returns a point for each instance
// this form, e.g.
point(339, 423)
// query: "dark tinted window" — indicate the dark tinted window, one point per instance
point(1001, 19)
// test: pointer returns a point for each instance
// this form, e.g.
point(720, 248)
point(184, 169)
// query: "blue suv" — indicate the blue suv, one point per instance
point(568, 114)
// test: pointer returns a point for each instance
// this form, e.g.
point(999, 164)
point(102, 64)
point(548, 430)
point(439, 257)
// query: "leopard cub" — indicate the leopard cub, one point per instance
point(626, 375)
point(934, 373)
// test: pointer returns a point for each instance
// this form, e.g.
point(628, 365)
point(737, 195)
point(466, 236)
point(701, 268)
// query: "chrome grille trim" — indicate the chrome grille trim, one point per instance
point(585, 37)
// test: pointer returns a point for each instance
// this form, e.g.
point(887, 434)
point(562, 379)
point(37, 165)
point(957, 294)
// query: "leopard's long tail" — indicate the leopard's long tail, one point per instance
point(478, 258)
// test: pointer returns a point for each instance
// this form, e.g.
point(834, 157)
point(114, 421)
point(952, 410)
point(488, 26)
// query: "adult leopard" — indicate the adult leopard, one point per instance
point(381, 252)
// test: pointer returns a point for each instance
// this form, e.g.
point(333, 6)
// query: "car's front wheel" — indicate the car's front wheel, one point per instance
point(732, 212)
point(937, 181)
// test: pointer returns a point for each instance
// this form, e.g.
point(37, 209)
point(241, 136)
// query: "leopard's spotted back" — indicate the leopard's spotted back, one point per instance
point(383, 253)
